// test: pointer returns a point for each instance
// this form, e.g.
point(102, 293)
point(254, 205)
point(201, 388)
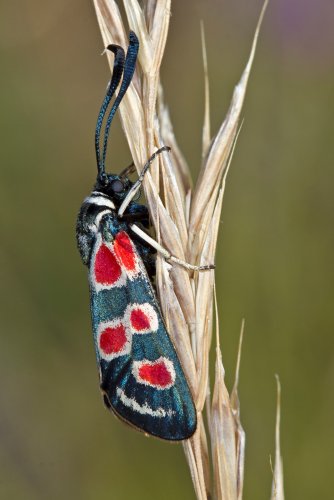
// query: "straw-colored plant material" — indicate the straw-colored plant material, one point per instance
point(186, 222)
point(277, 490)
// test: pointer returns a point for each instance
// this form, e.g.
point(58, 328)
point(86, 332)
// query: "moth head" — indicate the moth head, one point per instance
point(115, 187)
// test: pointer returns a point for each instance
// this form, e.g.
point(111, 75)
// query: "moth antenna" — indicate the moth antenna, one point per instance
point(129, 68)
point(127, 171)
point(113, 84)
point(136, 186)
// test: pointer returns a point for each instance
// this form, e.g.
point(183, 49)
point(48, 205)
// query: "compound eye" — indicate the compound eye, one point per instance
point(117, 186)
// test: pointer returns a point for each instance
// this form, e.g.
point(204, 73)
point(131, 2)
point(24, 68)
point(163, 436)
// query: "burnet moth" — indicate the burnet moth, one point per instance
point(141, 377)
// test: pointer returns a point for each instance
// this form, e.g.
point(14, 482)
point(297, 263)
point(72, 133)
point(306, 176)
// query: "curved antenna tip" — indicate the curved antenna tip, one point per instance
point(133, 38)
point(113, 48)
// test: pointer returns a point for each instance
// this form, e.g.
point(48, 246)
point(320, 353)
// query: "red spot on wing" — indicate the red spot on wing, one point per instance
point(113, 339)
point(155, 374)
point(139, 320)
point(125, 251)
point(107, 270)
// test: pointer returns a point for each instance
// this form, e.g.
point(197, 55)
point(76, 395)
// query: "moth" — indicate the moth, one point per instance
point(141, 377)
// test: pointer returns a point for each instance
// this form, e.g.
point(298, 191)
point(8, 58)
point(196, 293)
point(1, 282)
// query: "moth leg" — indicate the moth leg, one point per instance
point(146, 252)
point(148, 258)
point(139, 232)
point(128, 170)
point(133, 191)
point(139, 214)
point(136, 212)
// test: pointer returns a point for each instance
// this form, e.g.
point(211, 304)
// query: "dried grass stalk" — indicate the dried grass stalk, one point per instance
point(277, 490)
point(186, 221)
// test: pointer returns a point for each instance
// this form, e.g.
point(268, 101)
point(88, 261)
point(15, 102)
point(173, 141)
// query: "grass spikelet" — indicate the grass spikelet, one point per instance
point(186, 221)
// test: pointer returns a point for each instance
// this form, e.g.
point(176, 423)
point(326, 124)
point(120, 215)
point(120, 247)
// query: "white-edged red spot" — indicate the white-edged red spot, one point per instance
point(159, 374)
point(141, 318)
point(113, 339)
point(126, 253)
point(106, 271)
point(106, 268)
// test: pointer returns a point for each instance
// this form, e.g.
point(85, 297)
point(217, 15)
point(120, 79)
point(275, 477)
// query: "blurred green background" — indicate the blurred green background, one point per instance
point(274, 263)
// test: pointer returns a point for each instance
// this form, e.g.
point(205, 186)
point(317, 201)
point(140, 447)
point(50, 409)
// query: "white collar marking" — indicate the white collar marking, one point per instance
point(94, 227)
point(100, 201)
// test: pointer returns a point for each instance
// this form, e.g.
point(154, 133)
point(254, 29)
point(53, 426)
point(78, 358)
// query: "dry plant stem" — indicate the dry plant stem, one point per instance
point(206, 134)
point(277, 490)
point(240, 433)
point(186, 221)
